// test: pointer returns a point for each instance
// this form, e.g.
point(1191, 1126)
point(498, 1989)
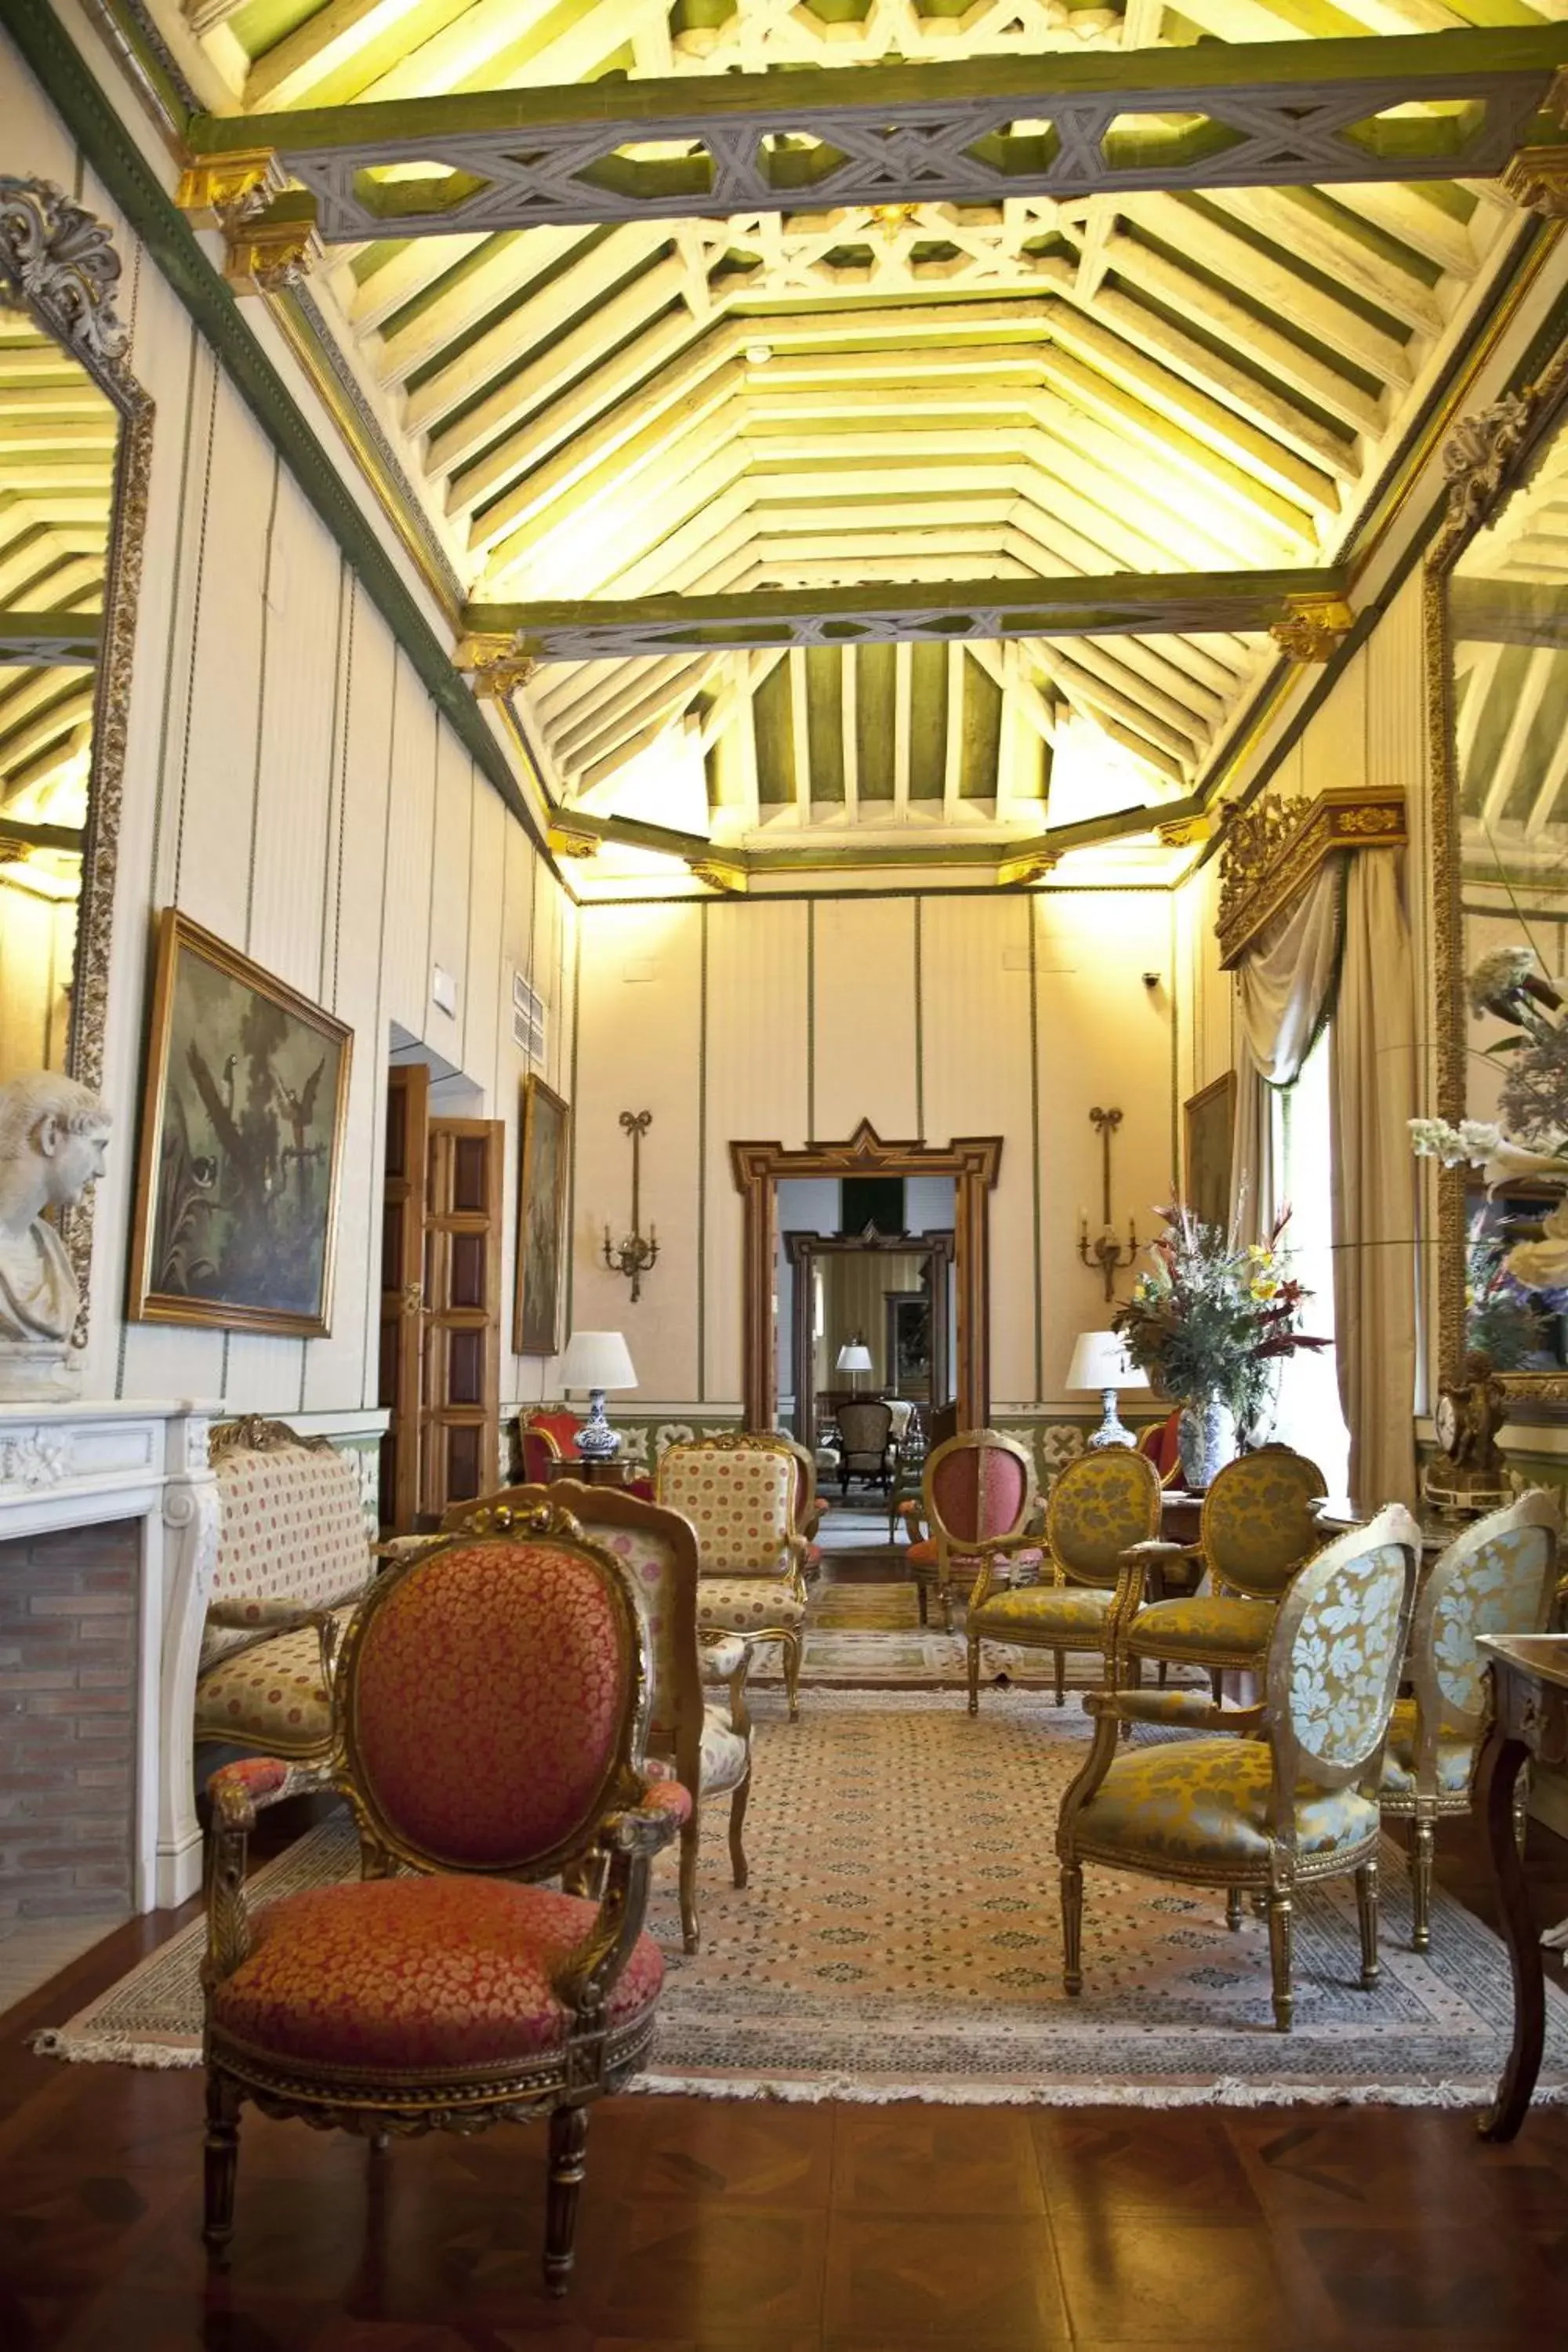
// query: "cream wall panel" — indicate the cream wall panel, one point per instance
point(523, 1378)
point(289, 917)
point(405, 941)
point(639, 1031)
point(1333, 749)
point(864, 1017)
point(1103, 1039)
point(756, 1092)
point(481, 1005)
point(451, 882)
point(974, 965)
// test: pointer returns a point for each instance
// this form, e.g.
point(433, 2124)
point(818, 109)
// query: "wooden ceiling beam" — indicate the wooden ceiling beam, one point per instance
point(1275, 114)
point(50, 639)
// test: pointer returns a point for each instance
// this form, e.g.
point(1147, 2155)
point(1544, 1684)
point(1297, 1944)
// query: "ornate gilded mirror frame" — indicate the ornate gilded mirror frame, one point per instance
point(59, 265)
point(1487, 458)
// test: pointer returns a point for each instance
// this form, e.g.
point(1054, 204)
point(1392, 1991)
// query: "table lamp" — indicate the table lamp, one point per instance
point(854, 1357)
point(597, 1360)
point(1100, 1361)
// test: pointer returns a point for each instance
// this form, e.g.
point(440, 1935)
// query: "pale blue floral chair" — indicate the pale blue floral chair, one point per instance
point(1499, 1576)
point(1260, 1814)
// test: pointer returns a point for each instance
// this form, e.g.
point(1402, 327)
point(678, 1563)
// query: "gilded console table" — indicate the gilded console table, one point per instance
point(1530, 1719)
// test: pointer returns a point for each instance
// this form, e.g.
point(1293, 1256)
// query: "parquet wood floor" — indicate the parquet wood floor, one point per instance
point(714, 2227)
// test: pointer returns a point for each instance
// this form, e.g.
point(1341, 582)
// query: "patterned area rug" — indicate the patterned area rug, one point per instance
point(899, 1939)
point(868, 1636)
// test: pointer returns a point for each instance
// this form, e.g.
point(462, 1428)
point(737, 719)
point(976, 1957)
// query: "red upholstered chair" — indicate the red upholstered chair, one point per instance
point(546, 1437)
point(979, 1493)
point(1159, 1445)
point(492, 1708)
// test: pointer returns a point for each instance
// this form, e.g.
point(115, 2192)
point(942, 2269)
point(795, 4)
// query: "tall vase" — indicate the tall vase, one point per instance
point(1206, 1438)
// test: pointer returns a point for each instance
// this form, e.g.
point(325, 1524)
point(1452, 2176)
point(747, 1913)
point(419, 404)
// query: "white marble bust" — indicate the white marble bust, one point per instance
point(53, 1134)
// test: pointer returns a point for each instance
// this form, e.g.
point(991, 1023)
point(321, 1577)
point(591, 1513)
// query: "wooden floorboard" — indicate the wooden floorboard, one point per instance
point(713, 2226)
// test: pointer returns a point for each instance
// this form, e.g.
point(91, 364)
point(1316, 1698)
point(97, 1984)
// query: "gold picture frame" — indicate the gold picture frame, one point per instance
point(240, 1160)
point(1208, 1139)
point(539, 1286)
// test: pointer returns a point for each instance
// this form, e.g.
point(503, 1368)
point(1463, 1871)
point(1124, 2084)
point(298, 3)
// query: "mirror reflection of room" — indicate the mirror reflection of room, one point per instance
point(57, 488)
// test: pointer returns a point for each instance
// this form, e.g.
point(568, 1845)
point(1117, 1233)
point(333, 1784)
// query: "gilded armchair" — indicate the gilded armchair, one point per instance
point(1102, 1505)
point(492, 1707)
point(709, 1747)
point(1257, 1529)
point(979, 1495)
point(738, 1494)
point(1496, 1578)
point(1291, 1800)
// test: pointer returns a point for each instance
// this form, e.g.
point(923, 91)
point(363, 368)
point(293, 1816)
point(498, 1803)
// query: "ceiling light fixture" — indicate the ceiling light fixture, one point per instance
point(759, 354)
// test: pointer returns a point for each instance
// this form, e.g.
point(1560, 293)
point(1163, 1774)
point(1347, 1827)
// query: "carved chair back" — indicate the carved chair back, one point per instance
point(978, 1487)
point(1102, 1504)
point(544, 1437)
point(865, 1428)
point(738, 1494)
point(291, 1523)
point(1335, 1655)
point(1498, 1577)
point(807, 1511)
point(1257, 1524)
point(493, 1699)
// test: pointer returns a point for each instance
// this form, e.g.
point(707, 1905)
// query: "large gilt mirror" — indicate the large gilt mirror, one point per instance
point(75, 441)
point(1497, 650)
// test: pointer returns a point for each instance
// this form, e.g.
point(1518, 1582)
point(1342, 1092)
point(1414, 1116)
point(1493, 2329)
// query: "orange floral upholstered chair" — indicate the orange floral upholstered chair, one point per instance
point(741, 1495)
point(492, 1708)
point(979, 1492)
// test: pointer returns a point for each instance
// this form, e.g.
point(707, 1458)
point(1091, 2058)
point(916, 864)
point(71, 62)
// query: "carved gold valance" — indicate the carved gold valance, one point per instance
point(1272, 850)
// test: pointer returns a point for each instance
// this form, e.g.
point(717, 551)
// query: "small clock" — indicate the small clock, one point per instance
point(1446, 1419)
point(1469, 1475)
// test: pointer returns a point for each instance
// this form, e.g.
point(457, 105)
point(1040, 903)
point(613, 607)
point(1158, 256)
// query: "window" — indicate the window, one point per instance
point(528, 1011)
point(1308, 1415)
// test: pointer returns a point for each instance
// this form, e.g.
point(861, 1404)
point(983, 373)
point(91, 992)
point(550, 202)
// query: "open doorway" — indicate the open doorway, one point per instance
point(864, 1313)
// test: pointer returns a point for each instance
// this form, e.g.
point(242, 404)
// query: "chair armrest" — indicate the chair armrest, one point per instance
point(632, 1837)
point(392, 1547)
point(1187, 1710)
point(260, 1622)
point(237, 1792)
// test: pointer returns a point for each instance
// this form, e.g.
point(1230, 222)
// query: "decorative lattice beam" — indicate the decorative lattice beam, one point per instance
point(1119, 604)
point(1280, 114)
point(45, 639)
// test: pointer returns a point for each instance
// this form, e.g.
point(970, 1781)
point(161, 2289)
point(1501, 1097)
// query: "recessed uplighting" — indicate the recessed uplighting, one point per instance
point(759, 354)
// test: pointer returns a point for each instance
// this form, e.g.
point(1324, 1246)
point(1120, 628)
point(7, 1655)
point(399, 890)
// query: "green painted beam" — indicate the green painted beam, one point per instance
point(118, 162)
point(41, 639)
point(1120, 604)
point(1281, 113)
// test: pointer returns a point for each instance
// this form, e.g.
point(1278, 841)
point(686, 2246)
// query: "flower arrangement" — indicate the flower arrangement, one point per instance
point(1503, 1321)
point(1215, 1316)
point(1534, 1102)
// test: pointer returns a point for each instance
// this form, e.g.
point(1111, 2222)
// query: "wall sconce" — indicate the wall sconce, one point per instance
point(636, 1253)
point(1105, 1250)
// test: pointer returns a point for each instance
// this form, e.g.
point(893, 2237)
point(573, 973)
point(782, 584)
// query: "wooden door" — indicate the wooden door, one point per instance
point(461, 1426)
point(402, 1291)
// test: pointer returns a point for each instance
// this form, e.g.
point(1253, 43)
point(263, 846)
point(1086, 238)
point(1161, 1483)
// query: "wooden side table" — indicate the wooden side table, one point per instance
point(619, 1470)
point(1530, 1719)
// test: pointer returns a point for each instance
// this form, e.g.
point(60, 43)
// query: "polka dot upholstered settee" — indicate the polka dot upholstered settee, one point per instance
point(294, 1557)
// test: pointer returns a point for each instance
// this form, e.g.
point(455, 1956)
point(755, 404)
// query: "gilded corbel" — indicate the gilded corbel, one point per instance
point(1314, 627)
point(276, 249)
point(226, 191)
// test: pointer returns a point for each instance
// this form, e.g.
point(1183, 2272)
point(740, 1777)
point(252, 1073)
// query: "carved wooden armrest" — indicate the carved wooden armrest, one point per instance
point(631, 1838)
point(391, 1547)
point(262, 1619)
point(237, 1793)
point(1189, 1710)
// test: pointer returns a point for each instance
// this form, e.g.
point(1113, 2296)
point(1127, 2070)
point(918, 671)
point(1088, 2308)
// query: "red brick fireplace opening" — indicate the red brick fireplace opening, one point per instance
point(68, 1722)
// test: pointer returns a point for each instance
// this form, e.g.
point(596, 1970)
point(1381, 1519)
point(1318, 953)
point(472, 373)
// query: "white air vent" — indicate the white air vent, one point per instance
point(528, 1016)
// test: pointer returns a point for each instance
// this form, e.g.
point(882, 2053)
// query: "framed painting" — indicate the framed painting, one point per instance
point(241, 1145)
point(1210, 1120)
point(541, 1221)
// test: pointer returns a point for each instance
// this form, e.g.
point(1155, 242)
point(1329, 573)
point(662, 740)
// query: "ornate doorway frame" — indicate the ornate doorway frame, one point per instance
point(972, 1162)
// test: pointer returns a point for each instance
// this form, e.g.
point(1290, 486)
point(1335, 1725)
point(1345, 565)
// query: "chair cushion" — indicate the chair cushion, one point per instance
point(1196, 1800)
point(726, 1756)
point(739, 1604)
point(396, 1975)
point(1198, 1628)
point(720, 1655)
point(925, 1555)
point(1044, 1612)
point(271, 1696)
point(1455, 1758)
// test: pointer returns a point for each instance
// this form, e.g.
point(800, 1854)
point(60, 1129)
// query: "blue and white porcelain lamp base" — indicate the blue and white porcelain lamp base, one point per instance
point(1113, 1430)
point(1101, 1367)
point(596, 1440)
point(596, 1360)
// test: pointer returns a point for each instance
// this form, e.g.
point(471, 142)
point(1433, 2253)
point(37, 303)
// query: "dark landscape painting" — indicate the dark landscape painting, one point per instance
point(237, 1196)
point(540, 1221)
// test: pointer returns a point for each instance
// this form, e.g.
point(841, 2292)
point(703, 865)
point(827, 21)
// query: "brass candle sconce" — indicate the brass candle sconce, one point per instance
point(635, 1252)
point(1105, 1250)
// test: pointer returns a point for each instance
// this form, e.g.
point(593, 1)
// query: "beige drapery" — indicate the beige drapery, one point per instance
point(1343, 947)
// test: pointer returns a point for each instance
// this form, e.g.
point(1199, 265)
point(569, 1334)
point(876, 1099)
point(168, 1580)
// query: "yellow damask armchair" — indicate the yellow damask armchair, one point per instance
point(1264, 1814)
point(741, 1495)
point(1103, 1503)
point(1496, 1578)
point(1257, 1529)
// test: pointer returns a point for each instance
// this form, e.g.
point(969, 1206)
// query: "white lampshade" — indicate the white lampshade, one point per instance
point(854, 1357)
point(596, 1359)
point(1099, 1361)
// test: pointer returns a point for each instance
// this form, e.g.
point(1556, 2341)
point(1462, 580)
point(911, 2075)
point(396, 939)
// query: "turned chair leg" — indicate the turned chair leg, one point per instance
point(1060, 1657)
point(1521, 1810)
point(220, 2162)
point(568, 2161)
point(690, 1839)
point(1072, 1926)
point(920, 1599)
point(975, 1674)
point(1366, 1912)
point(737, 1822)
point(1233, 1910)
point(1424, 1839)
point(792, 1674)
point(1280, 1914)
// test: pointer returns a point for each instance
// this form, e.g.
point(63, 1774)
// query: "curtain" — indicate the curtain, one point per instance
point(1284, 993)
point(1372, 1077)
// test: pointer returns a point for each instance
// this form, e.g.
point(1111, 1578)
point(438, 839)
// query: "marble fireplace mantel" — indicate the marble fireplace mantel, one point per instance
point(82, 1465)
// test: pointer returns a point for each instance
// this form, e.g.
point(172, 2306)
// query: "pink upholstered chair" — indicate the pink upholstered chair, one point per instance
point(979, 1493)
point(492, 1708)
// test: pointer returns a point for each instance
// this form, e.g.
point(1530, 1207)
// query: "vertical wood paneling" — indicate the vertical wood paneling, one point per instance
point(294, 773)
point(864, 1018)
point(1332, 750)
point(406, 944)
point(450, 854)
point(756, 990)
